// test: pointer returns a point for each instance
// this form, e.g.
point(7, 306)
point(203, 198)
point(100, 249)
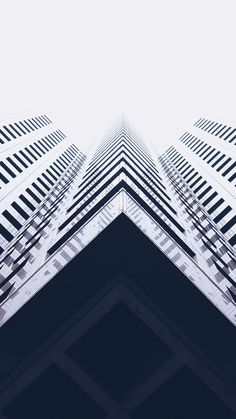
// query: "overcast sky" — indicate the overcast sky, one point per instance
point(161, 63)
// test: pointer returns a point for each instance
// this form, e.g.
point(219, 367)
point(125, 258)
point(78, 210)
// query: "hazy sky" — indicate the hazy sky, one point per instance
point(162, 63)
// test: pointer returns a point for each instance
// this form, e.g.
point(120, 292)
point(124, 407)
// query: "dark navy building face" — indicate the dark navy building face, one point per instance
point(117, 280)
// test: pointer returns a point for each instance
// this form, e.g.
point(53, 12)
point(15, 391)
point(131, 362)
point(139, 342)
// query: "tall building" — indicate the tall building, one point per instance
point(205, 157)
point(131, 266)
point(38, 164)
point(201, 167)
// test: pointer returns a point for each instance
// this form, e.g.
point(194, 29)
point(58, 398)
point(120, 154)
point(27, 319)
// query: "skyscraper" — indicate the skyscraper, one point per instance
point(38, 164)
point(205, 156)
point(201, 168)
point(133, 279)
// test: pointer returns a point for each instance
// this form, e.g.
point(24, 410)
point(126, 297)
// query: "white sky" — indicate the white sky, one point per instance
point(162, 63)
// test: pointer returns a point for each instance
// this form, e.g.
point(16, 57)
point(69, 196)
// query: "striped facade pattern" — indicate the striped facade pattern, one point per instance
point(35, 176)
point(71, 201)
point(219, 130)
point(221, 212)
